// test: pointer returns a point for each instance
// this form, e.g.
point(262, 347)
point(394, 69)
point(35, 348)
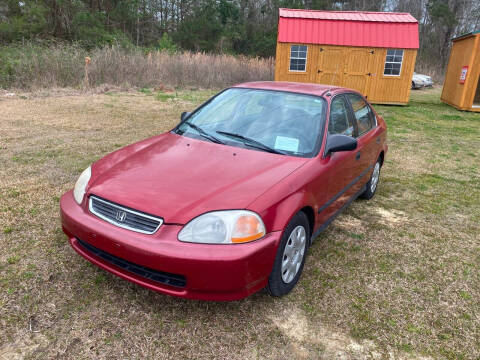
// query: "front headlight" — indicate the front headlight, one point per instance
point(223, 227)
point(81, 184)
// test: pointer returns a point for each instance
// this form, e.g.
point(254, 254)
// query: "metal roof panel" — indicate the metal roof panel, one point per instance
point(352, 29)
point(348, 15)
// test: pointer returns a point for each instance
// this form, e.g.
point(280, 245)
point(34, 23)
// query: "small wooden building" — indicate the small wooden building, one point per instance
point(461, 88)
point(372, 52)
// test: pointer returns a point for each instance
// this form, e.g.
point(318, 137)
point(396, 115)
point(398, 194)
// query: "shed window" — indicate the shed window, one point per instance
point(298, 58)
point(393, 62)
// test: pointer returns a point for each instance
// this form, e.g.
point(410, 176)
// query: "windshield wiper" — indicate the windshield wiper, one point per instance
point(251, 142)
point(203, 133)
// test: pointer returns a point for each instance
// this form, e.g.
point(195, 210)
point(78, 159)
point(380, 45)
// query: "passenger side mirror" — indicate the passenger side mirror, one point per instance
point(337, 142)
point(184, 115)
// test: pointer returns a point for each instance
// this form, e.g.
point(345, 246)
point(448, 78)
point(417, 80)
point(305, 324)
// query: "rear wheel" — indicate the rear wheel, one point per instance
point(373, 182)
point(290, 257)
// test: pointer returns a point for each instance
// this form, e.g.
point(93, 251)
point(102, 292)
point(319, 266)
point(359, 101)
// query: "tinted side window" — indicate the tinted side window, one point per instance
point(340, 122)
point(363, 114)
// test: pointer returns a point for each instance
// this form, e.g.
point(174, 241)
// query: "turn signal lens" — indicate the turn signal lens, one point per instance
point(247, 228)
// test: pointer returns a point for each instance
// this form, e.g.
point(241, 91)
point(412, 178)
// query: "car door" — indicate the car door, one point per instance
point(341, 167)
point(367, 135)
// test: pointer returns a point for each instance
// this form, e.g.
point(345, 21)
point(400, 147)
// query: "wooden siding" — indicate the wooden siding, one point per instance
point(358, 68)
point(462, 54)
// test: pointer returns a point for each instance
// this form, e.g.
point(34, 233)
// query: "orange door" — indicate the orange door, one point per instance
point(358, 69)
point(331, 63)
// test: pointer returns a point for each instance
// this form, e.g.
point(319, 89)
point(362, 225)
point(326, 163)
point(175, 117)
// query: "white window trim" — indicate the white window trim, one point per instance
point(290, 60)
point(392, 62)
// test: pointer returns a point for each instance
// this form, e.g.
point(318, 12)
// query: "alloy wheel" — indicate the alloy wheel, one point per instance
point(375, 177)
point(293, 254)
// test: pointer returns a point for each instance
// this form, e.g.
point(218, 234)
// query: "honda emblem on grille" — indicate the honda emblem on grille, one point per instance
point(120, 215)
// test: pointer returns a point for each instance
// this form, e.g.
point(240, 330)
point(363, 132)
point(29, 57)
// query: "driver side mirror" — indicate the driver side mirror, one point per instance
point(337, 143)
point(184, 115)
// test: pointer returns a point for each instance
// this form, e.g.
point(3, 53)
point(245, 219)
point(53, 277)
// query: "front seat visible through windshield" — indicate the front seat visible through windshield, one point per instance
point(288, 122)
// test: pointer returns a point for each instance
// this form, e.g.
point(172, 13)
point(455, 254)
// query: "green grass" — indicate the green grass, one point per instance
point(164, 97)
point(395, 275)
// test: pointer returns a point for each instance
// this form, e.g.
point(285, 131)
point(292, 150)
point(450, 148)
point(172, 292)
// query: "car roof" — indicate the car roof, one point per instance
point(301, 88)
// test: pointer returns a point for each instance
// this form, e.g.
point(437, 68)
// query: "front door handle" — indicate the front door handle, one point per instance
point(357, 157)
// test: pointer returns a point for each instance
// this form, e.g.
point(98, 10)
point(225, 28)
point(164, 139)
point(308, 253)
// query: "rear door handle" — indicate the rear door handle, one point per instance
point(378, 140)
point(357, 157)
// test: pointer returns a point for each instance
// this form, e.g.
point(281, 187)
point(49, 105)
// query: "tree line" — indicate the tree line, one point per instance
point(246, 27)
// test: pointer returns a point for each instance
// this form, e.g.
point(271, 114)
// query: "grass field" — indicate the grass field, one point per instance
point(397, 277)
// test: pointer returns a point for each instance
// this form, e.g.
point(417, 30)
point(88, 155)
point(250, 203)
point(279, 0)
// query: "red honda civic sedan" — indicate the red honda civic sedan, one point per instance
point(228, 202)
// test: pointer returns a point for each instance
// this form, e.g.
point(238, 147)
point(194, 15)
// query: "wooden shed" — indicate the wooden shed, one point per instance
point(461, 88)
point(372, 52)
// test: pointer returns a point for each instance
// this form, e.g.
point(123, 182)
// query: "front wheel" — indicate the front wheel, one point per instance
point(373, 182)
point(290, 257)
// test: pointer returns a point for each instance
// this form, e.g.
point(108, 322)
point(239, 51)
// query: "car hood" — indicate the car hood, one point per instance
point(178, 178)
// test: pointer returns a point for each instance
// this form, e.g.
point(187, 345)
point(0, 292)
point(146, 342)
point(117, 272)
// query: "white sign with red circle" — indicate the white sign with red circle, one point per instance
point(463, 74)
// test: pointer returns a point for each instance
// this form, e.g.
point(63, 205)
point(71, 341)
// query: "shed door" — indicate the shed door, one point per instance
point(358, 69)
point(331, 66)
point(476, 99)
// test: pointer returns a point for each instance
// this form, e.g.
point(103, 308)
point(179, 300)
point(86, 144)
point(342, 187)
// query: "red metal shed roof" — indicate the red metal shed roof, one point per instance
point(348, 28)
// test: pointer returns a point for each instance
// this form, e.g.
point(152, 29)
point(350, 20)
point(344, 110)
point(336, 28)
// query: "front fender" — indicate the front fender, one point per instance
point(277, 217)
point(280, 203)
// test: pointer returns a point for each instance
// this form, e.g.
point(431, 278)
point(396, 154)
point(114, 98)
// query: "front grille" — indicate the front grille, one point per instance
point(124, 217)
point(154, 275)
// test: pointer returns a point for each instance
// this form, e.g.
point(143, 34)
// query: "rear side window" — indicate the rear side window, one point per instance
point(363, 113)
point(340, 122)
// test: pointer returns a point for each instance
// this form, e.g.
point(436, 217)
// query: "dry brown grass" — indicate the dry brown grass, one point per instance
point(393, 278)
point(36, 67)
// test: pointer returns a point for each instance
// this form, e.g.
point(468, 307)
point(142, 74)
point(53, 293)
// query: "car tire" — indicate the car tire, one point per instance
point(372, 184)
point(290, 258)
point(413, 86)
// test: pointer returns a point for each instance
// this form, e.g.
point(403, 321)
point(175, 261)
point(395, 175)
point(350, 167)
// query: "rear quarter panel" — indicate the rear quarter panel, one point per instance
point(381, 132)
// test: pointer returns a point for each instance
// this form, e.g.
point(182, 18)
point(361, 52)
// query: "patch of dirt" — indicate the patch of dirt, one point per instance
point(294, 324)
point(24, 346)
point(349, 222)
point(327, 343)
point(391, 217)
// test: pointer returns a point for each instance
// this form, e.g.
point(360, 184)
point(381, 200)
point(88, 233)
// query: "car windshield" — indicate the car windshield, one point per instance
point(273, 121)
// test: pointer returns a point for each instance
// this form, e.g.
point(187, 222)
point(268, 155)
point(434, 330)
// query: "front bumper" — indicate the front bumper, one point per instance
point(211, 272)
